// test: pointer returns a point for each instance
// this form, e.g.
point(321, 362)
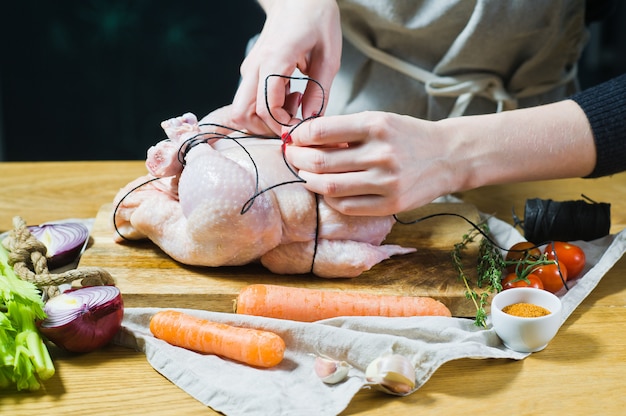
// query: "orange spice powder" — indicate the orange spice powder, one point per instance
point(526, 310)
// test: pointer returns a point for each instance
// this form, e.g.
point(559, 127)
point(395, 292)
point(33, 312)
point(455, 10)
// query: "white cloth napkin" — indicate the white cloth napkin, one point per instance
point(292, 388)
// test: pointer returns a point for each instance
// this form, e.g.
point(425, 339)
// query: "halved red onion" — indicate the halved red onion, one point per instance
point(84, 319)
point(64, 241)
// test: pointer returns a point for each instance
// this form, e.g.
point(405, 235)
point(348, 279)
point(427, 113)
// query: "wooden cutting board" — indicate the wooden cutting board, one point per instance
point(147, 277)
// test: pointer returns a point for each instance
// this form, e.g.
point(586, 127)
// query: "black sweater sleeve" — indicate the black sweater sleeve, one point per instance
point(605, 107)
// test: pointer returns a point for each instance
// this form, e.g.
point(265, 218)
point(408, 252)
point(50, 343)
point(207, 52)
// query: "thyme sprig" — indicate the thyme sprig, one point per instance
point(489, 268)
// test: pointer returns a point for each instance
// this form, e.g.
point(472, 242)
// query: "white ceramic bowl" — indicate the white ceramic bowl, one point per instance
point(526, 334)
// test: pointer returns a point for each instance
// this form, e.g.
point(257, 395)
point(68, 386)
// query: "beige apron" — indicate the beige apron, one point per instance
point(443, 58)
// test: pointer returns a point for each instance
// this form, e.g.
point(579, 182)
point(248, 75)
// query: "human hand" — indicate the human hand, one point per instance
point(373, 163)
point(219, 122)
point(303, 35)
point(376, 163)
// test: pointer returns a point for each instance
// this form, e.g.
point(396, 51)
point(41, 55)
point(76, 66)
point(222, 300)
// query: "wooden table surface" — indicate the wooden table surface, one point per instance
point(581, 372)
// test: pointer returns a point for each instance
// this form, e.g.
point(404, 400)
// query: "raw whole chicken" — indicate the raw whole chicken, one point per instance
point(202, 204)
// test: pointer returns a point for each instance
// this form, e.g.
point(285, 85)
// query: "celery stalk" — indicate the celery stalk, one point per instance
point(24, 358)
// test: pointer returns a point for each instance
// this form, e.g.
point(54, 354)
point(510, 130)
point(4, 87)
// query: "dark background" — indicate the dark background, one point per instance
point(93, 79)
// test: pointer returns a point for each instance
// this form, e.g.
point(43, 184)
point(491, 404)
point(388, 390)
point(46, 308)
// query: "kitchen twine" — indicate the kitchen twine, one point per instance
point(545, 219)
point(27, 255)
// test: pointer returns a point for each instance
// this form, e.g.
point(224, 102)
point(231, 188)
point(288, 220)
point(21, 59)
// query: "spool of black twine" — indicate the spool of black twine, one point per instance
point(548, 220)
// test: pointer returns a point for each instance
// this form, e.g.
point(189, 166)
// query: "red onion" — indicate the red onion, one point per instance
point(64, 241)
point(84, 319)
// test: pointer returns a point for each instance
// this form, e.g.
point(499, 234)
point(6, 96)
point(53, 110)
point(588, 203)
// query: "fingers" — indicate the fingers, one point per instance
point(292, 103)
point(337, 159)
point(219, 122)
point(316, 95)
point(272, 96)
point(333, 131)
point(360, 163)
point(274, 107)
point(244, 109)
point(346, 184)
point(342, 170)
point(314, 99)
point(352, 193)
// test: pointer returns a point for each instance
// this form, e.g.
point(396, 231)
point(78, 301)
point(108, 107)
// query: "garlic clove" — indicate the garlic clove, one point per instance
point(394, 374)
point(331, 371)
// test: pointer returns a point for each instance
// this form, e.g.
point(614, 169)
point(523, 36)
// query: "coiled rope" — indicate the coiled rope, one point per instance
point(27, 256)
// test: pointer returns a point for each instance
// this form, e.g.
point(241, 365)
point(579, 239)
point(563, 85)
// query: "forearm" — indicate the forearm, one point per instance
point(547, 142)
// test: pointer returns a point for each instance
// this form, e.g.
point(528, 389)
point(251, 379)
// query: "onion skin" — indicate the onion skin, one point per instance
point(91, 326)
point(64, 241)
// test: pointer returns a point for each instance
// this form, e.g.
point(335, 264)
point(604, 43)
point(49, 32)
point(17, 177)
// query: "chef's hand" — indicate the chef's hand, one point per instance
point(376, 163)
point(219, 122)
point(372, 163)
point(303, 34)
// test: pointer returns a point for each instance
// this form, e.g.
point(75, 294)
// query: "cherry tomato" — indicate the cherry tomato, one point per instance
point(518, 252)
point(550, 275)
point(511, 280)
point(572, 256)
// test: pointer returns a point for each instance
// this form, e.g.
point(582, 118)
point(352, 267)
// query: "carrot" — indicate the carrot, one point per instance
point(246, 345)
point(308, 305)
